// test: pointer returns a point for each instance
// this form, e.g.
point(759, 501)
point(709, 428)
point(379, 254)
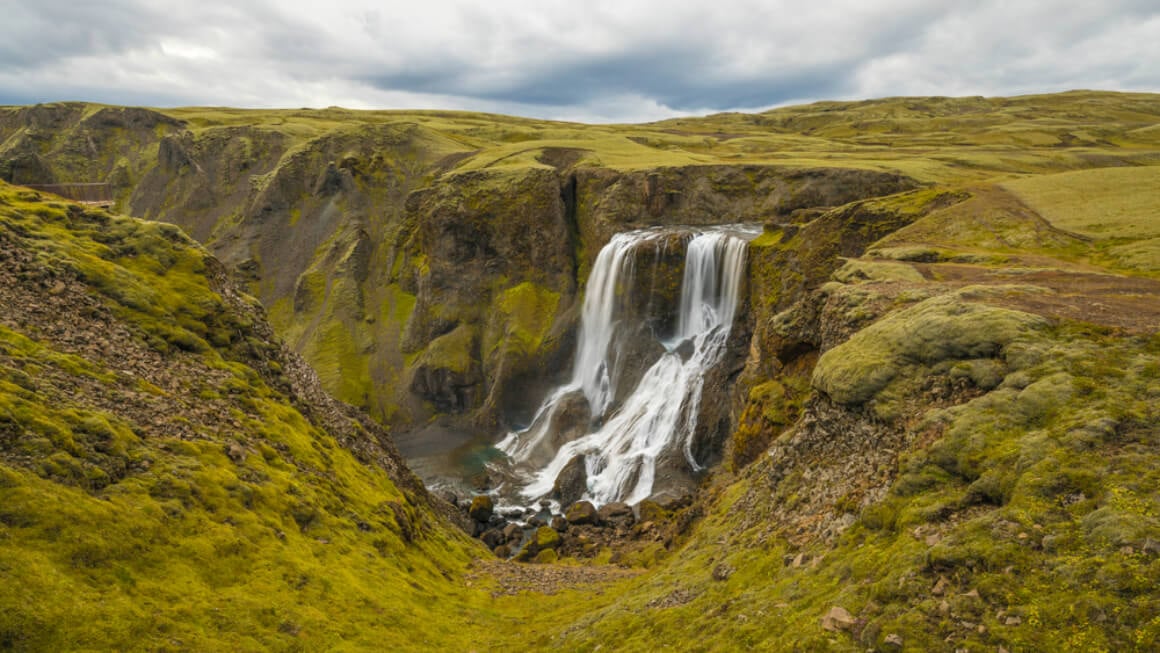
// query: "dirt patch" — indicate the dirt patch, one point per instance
point(1130, 304)
point(514, 577)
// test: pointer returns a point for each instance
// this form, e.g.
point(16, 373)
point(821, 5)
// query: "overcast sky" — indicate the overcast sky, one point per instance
point(589, 60)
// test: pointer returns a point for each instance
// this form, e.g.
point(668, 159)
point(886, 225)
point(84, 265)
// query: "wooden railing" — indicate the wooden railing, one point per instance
point(98, 194)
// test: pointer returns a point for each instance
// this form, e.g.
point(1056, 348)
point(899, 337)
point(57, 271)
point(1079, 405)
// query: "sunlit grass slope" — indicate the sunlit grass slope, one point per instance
point(930, 138)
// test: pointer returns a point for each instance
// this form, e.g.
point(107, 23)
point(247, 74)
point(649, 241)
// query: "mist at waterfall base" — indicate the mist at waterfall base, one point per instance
point(626, 439)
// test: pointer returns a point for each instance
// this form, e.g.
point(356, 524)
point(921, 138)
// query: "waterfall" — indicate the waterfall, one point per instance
point(622, 443)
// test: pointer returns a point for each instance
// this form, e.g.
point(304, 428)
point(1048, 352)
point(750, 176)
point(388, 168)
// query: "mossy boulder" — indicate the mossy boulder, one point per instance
point(937, 329)
point(581, 512)
point(768, 411)
point(547, 556)
point(547, 538)
point(481, 508)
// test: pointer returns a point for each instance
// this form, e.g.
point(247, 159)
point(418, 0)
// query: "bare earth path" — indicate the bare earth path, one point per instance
point(515, 577)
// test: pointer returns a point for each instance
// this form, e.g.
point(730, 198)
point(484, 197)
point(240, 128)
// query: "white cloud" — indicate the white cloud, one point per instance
point(605, 60)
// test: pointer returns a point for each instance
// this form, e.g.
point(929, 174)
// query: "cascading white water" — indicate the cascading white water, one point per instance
point(660, 415)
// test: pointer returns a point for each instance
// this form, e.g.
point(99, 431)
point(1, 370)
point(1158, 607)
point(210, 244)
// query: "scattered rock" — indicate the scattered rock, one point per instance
point(940, 587)
point(450, 497)
point(581, 512)
point(838, 618)
point(893, 639)
point(1151, 546)
point(236, 452)
point(1013, 620)
point(722, 572)
point(559, 523)
point(513, 533)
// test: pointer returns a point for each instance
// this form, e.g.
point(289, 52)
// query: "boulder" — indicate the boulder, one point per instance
point(547, 556)
point(481, 508)
point(838, 618)
point(616, 513)
point(513, 533)
point(493, 538)
point(571, 482)
point(581, 512)
point(559, 523)
point(547, 538)
point(503, 551)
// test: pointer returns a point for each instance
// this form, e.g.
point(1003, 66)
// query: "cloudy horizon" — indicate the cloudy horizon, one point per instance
point(597, 62)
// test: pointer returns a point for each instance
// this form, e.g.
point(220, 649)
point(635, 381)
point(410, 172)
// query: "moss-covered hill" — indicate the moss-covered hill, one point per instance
point(170, 479)
point(945, 434)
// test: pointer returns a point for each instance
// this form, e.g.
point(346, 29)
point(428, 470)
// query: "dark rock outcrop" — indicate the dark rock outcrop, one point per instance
point(572, 482)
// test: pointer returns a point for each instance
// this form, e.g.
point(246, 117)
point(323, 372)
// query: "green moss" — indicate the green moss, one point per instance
point(769, 410)
point(454, 351)
point(547, 556)
point(854, 271)
point(937, 329)
point(547, 538)
point(524, 314)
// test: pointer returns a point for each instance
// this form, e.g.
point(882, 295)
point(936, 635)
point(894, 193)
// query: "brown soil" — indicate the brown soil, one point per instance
point(517, 577)
point(1129, 304)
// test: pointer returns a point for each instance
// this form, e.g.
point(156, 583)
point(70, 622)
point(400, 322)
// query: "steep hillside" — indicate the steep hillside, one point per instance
point(170, 478)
